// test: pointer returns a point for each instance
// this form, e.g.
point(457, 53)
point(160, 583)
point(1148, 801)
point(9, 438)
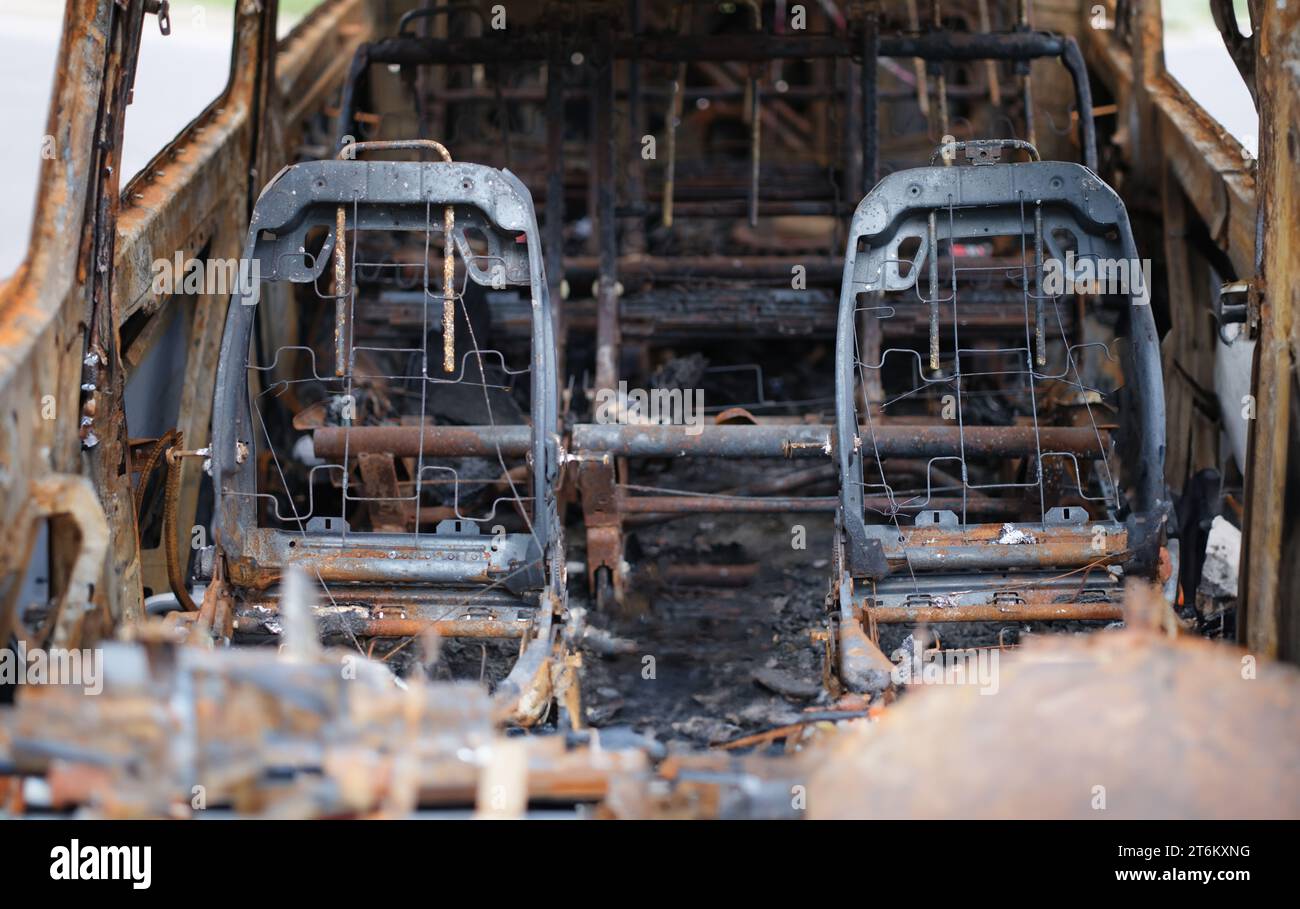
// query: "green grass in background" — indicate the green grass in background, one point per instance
point(301, 7)
point(1185, 17)
point(287, 7)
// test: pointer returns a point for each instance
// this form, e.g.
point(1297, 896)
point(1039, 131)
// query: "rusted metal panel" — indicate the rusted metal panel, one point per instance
point(1188, 348)
point(193, 196)
point(1272, 613)
point(1161, 126)
point(44, 306)
point(312, 60)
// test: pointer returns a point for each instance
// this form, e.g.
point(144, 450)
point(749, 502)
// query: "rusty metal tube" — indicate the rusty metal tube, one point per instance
point(673, 504)
point(804, 441)
point(1040, 311)
point(447, 628)
point(946, 552)
point(710, 575)
point(991, 66)
point(655, 441)
point(793, 441)
point(448, 251)
point(448, 291)
point(341, 295)
point(723, 505)
point(933, 254)
point(940, 80)
point(1029, 612)
point(440, 441)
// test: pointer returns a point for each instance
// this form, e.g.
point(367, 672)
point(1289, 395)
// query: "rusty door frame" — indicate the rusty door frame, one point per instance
point(87, 268)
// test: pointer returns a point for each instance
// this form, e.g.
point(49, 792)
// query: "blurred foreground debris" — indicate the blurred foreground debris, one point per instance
point(181, 729)
point(1117, 724)
point(1140, 722)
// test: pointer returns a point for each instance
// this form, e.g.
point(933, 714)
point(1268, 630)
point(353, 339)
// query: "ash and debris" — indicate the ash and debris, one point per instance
point(693, 666)
point(488, 661)
point(713, 664)
point(485, 661)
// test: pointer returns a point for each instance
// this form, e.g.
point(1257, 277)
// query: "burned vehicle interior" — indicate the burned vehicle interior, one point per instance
point(643, 397)
point(1038, 463)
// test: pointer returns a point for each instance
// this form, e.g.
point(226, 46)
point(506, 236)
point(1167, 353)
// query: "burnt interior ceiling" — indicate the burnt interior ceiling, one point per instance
point(670, 380)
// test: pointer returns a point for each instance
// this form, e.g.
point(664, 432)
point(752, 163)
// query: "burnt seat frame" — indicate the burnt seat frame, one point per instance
point(982, 201)
point(391, 195)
